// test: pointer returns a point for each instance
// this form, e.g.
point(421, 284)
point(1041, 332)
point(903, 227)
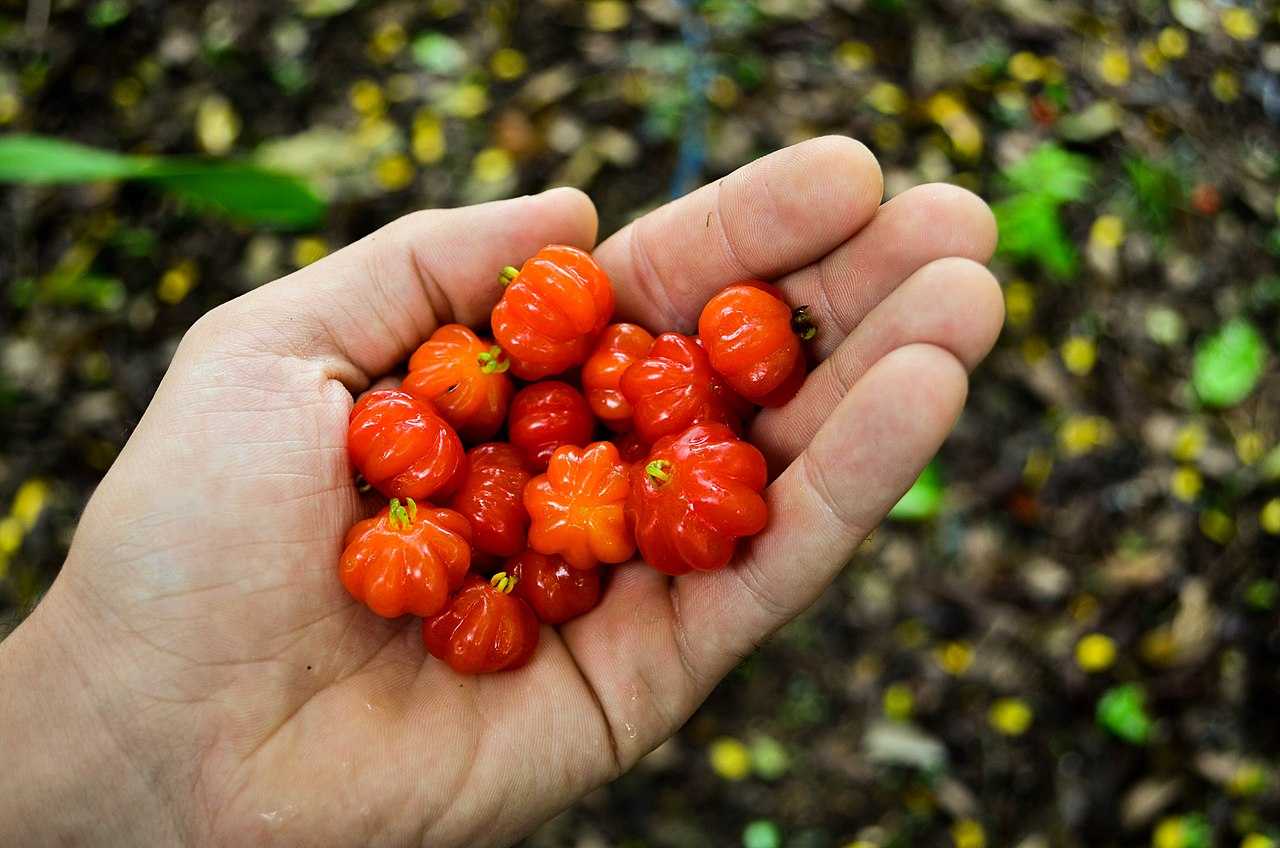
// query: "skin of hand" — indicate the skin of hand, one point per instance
point(197, 674)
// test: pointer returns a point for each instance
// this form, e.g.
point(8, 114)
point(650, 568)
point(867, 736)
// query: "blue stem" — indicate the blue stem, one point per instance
point(693, 137)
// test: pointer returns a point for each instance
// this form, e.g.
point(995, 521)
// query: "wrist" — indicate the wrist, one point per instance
point(69, 776)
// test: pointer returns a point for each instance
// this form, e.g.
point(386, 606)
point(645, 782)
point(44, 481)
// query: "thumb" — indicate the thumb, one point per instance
point(371, 303)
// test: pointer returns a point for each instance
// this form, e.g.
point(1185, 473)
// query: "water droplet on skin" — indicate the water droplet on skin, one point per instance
point(630, 728)
point(278, 816)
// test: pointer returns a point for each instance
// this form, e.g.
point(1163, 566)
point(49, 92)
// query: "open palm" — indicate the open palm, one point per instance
point(250, 700)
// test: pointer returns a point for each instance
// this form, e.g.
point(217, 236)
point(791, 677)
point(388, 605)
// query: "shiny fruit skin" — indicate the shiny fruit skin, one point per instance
point(674, 387)
point(556, 592)
point(551, 312)
point(482, 629)
point(694, 496)
point(631, 447)
point(577, 508)
point(464, 377)
point(620, 346)
point(491, 498)
point(545, 416)
point(407, 559)
point(747, 331)
point(402, 447)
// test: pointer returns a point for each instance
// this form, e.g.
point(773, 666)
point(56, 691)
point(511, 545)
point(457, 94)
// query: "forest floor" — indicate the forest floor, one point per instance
point(1070, 637)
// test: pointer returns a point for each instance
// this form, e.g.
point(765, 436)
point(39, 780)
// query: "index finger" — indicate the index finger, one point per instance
point(860, 462)
point(774, 215)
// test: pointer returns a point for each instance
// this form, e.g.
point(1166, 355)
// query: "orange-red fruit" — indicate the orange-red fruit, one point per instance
point(747, 331)
point(577, 509)
point(619, 347)
point(407, 559)
point(556, 592)
point(694, 496)
point(491, 498)
point(674, 387)
point(465, 378)
point(551, 312)
point(402, 447)
point(545, 416)
point(484, 628)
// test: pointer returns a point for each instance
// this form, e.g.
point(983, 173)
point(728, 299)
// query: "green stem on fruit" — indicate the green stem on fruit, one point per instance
point(802, 323)
point(401, 516)
point(659, 471)
point(507, 274)
point(503, 582)
point(493, 361)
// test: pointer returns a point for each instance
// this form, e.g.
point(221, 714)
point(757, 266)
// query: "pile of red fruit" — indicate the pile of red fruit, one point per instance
point(546, 508)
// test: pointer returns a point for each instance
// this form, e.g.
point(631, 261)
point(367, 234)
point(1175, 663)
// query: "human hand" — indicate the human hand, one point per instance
point(198, 674)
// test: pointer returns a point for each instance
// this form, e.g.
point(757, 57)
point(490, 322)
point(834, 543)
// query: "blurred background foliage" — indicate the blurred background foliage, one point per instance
point(1069, 634)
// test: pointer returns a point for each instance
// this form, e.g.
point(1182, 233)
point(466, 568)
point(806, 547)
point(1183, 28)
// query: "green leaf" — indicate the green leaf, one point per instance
point(1228, 364)
point(323, 8)
point(1158, 191)
point(1194, 832)
point(439, 53)
point(37, 159)
point(761, 834)
point(134, 242)
point(1122, 710)
point(243, 191)
point(924, 499)
point(22, 292)
point(769, 758)
point(1029, 220)
point(94, 291)
point(1262, 594)
point(1051, 173)
point(1269, 468)
point(1031, 231)
point(107, 13)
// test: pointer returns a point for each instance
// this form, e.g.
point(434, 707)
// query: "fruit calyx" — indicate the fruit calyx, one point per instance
point(493, 361)
point(659, 471)
point(401, 516)
point(503, 582)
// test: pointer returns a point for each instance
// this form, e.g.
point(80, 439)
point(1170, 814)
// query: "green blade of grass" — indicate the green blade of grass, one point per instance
point(242, 191)
point(38, 160)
